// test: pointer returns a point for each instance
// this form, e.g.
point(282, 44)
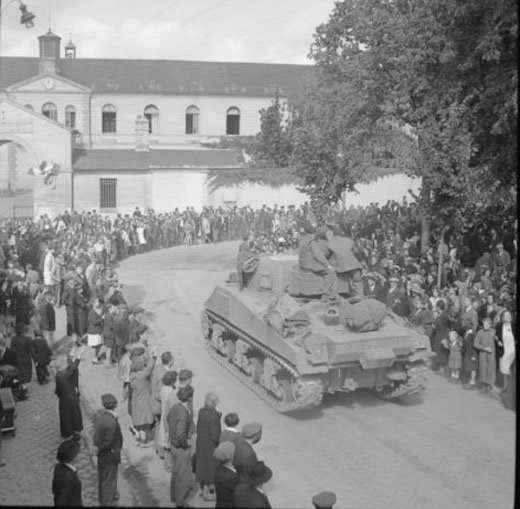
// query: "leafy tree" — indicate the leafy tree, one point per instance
point(445, 70)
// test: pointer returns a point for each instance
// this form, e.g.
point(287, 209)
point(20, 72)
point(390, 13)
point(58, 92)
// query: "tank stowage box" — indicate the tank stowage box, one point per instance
point(291, 350)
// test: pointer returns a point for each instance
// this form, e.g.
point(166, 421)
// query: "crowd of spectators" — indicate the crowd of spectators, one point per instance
point(463, 298)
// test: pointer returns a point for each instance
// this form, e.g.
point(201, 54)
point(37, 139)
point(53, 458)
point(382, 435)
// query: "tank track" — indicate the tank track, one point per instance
point(414, 384)
point(308, 394)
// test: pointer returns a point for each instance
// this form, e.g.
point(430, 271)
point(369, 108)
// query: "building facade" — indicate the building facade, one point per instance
point(111, 135)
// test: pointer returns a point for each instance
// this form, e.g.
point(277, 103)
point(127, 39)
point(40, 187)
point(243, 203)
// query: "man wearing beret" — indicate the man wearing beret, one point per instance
point(108, 442)
point(245, 455)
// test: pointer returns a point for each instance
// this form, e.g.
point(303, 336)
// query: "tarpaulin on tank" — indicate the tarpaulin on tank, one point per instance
point(342, 259)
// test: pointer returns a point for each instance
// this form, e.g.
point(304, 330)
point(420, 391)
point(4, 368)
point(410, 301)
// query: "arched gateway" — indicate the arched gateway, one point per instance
point(35, 163)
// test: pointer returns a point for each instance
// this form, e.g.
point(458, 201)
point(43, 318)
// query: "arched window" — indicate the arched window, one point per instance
point(108, 119)
point(50, 110)
point(70, 117)
point(192, 120)
point(151, 112)
point(29, 107)
point(233, 121)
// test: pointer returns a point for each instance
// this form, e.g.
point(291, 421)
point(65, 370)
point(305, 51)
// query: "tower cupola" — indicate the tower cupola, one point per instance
point(49, 62)
point(70, 49)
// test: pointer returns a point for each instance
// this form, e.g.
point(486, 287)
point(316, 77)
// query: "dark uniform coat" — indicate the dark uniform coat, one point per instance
point(245, 455)
point(80, 313)
point(226, 480)
point(71, 420)
point(208, 435)
point(68, 300)
point(66, 487)
point(21, 346)
point(22, 305)
point(246, 496)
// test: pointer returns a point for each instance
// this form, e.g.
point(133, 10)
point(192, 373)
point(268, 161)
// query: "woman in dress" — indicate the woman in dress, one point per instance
point(95, 329)
point(141, 397)
point(506, 351)
point(71, 420)
point(168, 398)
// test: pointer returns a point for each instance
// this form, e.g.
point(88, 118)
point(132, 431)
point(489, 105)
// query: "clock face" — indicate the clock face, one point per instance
point(48, 83)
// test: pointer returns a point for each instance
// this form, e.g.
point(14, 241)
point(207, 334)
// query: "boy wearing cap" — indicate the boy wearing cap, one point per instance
point(245, 455)
point(226, 477)
point(324, 500)
point(66, 486)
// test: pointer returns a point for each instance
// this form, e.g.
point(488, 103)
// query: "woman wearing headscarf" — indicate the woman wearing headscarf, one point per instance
point(71, 420)
point(141, 396)
point(66, 486)
point(208, 437)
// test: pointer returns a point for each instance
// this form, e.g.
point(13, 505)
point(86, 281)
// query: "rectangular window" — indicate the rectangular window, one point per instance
point(192, 123)
point(70, 119)
point(109, 122)
point(233, 124)
point(107, 193)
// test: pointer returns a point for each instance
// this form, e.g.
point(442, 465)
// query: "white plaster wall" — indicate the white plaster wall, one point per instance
point(177, 189)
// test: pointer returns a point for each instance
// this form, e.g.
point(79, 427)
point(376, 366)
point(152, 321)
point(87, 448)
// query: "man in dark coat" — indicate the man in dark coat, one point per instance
point(71, 420)
point(41, 354)
point(108, 442)
point(22, 303)
point(68, 300)
point(47, 316)
point(66, 486)
point(226, 477)
point(245, 456)
point(180, 424)
point(21, 346)
point(80, 311)
point(249, 493)
point(208, 435)
point(7, 356)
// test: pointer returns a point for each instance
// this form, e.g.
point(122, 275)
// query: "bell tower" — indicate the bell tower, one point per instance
point(49, 62)
point(70, 49)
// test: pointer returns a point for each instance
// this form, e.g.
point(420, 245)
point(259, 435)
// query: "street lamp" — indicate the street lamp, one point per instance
point(26, 17)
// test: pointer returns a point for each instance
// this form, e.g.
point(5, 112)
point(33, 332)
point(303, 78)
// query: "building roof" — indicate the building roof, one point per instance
point(167, 76)
point(130, 159)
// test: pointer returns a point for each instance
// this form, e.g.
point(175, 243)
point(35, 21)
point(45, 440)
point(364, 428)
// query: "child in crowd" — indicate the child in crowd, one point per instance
point(454, 345)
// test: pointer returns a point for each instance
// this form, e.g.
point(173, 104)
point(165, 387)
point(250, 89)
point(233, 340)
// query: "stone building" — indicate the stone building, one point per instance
point(111, 134)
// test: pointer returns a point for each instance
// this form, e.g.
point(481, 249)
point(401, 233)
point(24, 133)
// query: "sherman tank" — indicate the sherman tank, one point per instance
point(291, 344)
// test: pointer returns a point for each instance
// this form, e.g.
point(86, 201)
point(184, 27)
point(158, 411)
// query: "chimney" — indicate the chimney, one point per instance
point(142, 130)
point(49, 62)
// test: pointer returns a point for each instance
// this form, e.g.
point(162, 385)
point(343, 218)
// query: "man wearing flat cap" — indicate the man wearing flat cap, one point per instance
point(66, 486)
point(226, 477)
point(245, 455)
point(249, 492)
point(324, 500)
point(108, 442)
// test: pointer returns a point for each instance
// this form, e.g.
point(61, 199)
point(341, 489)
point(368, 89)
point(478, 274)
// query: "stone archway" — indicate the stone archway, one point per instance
point(16, 181)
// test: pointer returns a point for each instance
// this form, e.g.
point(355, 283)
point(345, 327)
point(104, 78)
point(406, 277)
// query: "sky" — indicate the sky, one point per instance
point(270, 31)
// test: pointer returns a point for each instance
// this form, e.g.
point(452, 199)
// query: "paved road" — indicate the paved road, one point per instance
point(448, 448)
point(31, 454)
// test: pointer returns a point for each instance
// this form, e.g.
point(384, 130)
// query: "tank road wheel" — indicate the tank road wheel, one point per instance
point(216, 339)
point(286, 386)
point(205, 324)
point(256, 369)
point(230, 349)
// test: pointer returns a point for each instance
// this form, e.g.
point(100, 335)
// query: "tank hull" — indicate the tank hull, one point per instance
point(292, 372)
